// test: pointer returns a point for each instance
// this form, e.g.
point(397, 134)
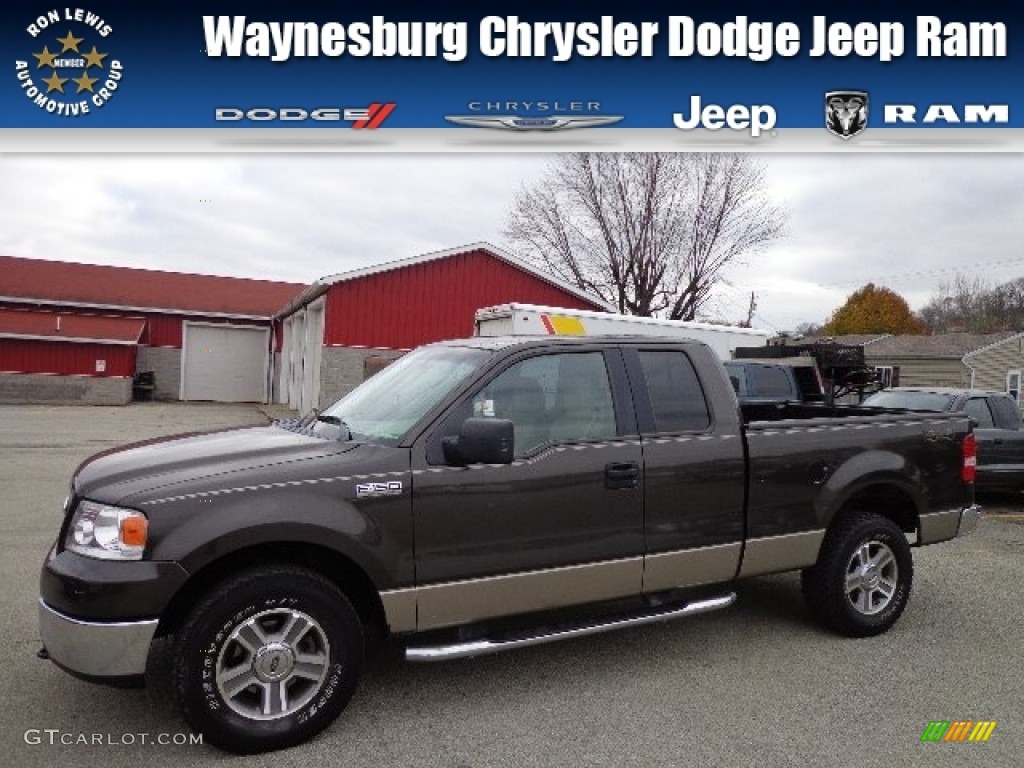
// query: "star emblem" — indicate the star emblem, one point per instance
point(45, 58)
point(55, 83)
point(70, 43)
point(95, 58)
point(84, 83)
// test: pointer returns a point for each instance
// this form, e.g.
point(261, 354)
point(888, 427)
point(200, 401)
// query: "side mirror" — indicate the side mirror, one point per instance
point(480, 441)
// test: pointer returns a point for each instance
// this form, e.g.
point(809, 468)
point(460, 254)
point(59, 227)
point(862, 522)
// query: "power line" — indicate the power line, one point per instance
point(926, 272)
point(743, 311)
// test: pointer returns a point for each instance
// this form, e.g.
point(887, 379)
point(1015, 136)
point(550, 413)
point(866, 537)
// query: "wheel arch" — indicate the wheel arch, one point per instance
point(886, 497)
point(339, 569)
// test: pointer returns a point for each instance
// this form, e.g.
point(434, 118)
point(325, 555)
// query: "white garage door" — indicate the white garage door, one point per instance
point(226, 363)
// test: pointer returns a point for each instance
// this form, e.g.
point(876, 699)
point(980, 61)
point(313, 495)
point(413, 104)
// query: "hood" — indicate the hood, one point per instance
point(144, 467)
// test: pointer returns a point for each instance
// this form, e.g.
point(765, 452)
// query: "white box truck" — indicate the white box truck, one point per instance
point(533, 320)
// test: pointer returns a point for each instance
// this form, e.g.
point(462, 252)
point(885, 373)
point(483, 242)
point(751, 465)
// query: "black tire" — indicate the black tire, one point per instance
point(844, 592)
point(316, 663)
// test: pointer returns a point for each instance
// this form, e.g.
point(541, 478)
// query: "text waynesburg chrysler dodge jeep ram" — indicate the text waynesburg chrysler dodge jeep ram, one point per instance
point(464, 498)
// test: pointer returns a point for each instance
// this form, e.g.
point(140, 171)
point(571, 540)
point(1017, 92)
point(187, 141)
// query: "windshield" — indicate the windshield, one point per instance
point(912, 401)
point(383, 408)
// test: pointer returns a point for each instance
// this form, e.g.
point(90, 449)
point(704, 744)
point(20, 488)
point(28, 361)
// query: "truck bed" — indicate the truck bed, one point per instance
point(804, 458)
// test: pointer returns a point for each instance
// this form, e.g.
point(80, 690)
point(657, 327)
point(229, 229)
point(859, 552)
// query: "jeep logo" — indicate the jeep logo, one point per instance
point(754, 118)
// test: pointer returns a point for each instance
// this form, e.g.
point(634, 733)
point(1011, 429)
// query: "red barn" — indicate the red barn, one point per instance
point(79, 332)
point(341, 327)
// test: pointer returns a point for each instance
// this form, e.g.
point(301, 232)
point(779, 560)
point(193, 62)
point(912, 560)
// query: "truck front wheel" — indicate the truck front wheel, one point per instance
point(861, 582)
point(267, 659)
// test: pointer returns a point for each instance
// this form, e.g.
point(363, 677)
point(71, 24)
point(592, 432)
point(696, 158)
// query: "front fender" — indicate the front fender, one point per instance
point(375, 534)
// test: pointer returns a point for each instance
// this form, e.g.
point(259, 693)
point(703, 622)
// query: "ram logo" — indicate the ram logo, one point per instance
point(947, 113)
point(846, 113)
point(372, 490)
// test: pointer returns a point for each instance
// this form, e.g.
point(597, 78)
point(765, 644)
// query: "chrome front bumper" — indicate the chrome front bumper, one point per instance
point(969, 518)
point(96, 649)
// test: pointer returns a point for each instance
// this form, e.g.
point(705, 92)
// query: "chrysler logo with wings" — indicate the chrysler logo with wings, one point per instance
point(535, 123)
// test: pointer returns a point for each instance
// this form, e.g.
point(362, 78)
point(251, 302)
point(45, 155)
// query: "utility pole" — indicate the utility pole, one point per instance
point(750, 310)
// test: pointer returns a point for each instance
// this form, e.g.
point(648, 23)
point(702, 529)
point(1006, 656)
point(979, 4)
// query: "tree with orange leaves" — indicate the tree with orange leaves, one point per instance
point(874, 309)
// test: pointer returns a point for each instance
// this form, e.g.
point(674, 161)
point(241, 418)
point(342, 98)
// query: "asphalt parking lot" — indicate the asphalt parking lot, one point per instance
point(755, 685)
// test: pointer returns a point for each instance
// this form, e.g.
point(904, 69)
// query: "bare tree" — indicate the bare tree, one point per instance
point(971, 304)
point(649, 233)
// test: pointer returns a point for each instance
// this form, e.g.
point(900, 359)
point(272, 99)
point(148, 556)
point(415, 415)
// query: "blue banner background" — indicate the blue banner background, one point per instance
point(170, 82)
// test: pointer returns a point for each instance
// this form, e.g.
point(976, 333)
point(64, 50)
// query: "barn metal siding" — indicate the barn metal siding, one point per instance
point(431, 301)
point(66, 358)
point(162, 330)
point(165, 330)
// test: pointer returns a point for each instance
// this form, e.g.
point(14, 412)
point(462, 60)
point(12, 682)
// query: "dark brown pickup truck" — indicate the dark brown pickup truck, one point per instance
point(476, 496)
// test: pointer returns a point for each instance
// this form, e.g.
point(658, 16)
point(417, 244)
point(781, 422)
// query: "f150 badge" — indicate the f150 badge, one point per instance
point(371, 490)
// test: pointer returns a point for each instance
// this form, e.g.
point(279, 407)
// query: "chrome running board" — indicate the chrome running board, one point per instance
point(548, 635)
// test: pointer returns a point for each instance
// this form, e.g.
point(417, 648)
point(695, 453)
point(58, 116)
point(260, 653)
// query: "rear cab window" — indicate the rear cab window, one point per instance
point(911, 401)
point(769, 381)
point(1006, 413)
point(676, 397)
point(977, 408)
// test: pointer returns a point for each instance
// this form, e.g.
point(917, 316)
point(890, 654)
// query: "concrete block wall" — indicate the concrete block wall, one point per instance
point(24, 388)
point(165, 362)
point(342, 369)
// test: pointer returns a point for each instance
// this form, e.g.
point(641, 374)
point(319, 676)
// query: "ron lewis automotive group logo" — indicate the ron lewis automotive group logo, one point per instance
point(70, 69)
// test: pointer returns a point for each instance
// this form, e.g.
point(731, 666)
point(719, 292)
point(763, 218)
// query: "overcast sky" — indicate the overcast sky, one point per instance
point(905, 221)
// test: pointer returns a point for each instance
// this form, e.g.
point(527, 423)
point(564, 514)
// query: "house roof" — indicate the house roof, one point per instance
point(853, 339)
point(320, 286)
point(39, 281)
point(951, 345)
point(55, 326)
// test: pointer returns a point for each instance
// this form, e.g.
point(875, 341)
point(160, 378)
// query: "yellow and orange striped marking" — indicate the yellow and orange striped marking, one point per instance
point(563, 325)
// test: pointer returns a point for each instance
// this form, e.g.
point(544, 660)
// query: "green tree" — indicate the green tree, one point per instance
point(874, 309)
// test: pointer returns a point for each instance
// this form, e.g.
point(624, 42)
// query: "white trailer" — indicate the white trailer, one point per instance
point(532, 320)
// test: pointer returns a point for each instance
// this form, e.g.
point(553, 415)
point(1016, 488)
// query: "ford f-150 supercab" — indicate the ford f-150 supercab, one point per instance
point(476, 496)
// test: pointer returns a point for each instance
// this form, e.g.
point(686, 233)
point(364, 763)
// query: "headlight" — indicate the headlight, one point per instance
point(108, 533)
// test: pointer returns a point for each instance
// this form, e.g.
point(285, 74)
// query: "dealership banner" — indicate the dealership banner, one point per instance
point(305, 76)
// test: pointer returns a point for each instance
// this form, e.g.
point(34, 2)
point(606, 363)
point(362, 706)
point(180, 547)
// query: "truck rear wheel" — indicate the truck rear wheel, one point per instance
point(861, 582)
point(267, 659)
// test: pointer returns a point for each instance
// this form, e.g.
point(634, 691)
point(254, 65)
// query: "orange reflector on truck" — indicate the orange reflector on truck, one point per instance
point(133, 530)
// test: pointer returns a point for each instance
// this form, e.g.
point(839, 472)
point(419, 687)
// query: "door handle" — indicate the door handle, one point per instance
point(619, 475)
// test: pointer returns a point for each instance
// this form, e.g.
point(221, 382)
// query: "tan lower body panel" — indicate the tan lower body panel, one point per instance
point(464, 602)
point(690, 567)
point(400, 609)
point(774, 554)
point(938, 526)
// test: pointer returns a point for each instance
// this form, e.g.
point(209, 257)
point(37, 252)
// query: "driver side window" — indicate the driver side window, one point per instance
point(549, 399)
